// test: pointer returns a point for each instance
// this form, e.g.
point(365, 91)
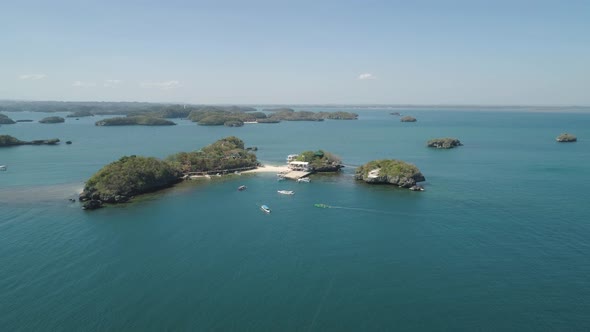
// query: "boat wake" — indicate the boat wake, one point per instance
point(326, 206)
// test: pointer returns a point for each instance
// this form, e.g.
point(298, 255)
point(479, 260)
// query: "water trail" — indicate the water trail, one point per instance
point(326, 206)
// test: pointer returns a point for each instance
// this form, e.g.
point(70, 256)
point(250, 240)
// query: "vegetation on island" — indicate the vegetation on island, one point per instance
point(118, 181)
point(225, 155)
point(444, 143)
point(134, 175)
point(390, 171)
point(79, 114)
point(215, 116)
point(565, 138)
point(7, 140)
point(52, 119)
point(408, 118)
point(321, 161)
point(140, 120)
point(4, 119)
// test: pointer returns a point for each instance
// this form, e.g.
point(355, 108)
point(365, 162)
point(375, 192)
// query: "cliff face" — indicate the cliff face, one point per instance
point(395, 172)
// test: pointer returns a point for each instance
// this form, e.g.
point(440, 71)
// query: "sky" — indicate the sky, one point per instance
point(297, 52)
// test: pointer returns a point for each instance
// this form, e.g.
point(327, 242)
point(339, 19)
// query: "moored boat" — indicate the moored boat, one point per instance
point(303, 180)
point(265, 208)
point(286, 192)
point(241, 188)
point(2, 167)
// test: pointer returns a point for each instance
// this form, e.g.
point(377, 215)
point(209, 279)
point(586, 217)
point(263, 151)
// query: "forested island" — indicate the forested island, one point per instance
point(444, 143)
point(320, 161)
point(565, 138)
point(7, 140)
point(139, 120)
point(4, 119)
point(52, 119)
point(130, 176)
point(390, 171)
point(79, 114)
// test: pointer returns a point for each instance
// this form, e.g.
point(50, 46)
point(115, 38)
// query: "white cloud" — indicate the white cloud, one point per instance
point(33, 77)
point(80, 84)
point(366, 76)
point(111, 83)
point(166, 85)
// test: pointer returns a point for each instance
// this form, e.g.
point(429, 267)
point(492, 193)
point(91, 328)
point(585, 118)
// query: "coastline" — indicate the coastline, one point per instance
point(260, 169)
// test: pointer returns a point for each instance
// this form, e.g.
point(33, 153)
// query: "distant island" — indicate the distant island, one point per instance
point(130, 176)
point(7, 140)
point(79, 114)
point(140, 120)
point(390, 171)
point(444, 143)
point(6, 120)
point(52, 119)
point(408, 118)
point(25, 120)
point(566, 138)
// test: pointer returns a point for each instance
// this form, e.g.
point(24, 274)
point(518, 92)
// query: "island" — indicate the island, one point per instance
point(566, 138)
point(408, 118)
point(24, 120)
point(79, 114)
point(119, 181)
point(6, 120)
point(7, 140)
point(396, 113)
point(130, 176)
point(52, 119)
point(317, 161)
point(140, 120)
point(390, 171)
point(444, 143)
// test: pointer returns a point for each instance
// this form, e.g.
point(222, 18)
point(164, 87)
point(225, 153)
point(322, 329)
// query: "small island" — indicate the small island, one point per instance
point(408, 118)
point(7, 140)
point(130, 176)
point(6, 120)
point(390, 171)
point(79, 114)
point(24, 120)
point(444, 143)
point(316, 161)
point(566, 138)
point(140, 120)
point(52, 119)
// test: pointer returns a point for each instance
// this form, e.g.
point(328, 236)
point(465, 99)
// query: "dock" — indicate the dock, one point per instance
point(295, 175)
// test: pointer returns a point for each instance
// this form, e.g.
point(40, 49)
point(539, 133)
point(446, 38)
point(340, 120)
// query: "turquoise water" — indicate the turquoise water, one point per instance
point(498, 241)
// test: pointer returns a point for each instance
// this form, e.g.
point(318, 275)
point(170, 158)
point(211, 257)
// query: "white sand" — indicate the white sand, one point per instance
point(269, 169)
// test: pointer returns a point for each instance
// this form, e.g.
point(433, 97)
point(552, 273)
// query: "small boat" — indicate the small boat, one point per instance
point(286, 192)
point(303, 180)
point(2, 167)
point(241, 188)
point(265, 208)
point(320, 205)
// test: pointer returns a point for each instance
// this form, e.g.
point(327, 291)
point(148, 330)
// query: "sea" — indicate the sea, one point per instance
point(498, 241)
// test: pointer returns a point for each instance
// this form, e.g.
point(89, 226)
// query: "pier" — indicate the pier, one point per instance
point(295, 175)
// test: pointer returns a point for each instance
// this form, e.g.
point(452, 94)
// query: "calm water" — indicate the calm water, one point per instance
point(498, 241)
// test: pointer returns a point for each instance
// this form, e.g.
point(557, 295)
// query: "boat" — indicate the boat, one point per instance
point(303, 180)
point(286, 192)
point(2, 167)
point(241, 188)
point(265, 208)
point(321, 205)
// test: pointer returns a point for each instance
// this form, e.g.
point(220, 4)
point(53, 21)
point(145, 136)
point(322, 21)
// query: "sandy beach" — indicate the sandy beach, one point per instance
point(268, 169)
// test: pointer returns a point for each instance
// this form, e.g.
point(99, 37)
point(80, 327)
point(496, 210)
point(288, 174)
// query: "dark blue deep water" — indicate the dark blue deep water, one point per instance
point(500, 239)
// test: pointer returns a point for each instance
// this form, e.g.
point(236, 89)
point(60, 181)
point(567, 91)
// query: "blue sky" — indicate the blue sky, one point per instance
point(264, 52)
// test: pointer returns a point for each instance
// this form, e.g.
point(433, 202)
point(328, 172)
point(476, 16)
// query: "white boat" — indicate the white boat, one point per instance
point(286, 192)
point(303, 180)
point(2, 167)
point(265, 208)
